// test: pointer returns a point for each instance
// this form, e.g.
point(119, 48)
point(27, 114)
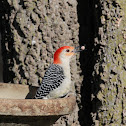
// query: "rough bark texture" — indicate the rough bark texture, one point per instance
point(31, 32)
point(103, 30)
point(109, 94)
point(35, 29)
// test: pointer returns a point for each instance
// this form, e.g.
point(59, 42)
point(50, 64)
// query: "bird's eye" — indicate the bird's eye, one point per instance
point(67, 50)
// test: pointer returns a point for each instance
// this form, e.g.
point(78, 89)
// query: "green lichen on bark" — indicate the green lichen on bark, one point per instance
point(113, 21)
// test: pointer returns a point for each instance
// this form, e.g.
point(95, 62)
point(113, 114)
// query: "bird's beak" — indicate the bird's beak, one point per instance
point(78, 49)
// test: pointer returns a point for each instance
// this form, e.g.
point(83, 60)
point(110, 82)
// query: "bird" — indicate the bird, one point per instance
point(57, 79)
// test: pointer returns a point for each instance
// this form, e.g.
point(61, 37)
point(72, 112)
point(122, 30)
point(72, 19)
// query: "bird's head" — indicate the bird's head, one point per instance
point(64, 54)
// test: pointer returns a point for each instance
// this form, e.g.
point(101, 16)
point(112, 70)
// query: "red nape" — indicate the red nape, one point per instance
point(57, 54)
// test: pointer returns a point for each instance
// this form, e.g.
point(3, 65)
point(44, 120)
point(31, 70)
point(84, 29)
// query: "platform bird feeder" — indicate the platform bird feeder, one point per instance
point(18, 107)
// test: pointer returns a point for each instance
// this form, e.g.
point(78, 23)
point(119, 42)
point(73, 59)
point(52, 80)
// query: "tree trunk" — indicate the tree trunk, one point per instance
point(103, 30)
point(31, 33)
point(109, 87)
point(33, 30)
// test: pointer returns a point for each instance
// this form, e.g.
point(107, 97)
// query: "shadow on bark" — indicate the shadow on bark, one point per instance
point(8, 51)
point(89, 13)
point(7, 41)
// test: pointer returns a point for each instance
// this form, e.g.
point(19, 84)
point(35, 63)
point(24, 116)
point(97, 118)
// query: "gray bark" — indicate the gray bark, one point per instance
point(108, 96)
point(31, 33)
point(33, 30)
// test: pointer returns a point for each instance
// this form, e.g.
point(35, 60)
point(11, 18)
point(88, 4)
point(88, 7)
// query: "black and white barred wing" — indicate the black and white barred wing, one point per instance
point(53, 78)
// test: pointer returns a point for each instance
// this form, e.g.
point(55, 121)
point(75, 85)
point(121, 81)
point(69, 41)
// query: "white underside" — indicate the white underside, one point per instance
point(66, 85)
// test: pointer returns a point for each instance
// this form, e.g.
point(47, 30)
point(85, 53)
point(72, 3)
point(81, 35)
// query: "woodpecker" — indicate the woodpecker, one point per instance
point(57, 79)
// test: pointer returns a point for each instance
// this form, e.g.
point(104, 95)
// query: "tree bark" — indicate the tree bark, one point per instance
point(108, 96)
point(31, 33)
point(33, 30)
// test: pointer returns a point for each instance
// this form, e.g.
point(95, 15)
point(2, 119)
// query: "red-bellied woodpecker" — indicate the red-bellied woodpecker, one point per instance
point(57, 79)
